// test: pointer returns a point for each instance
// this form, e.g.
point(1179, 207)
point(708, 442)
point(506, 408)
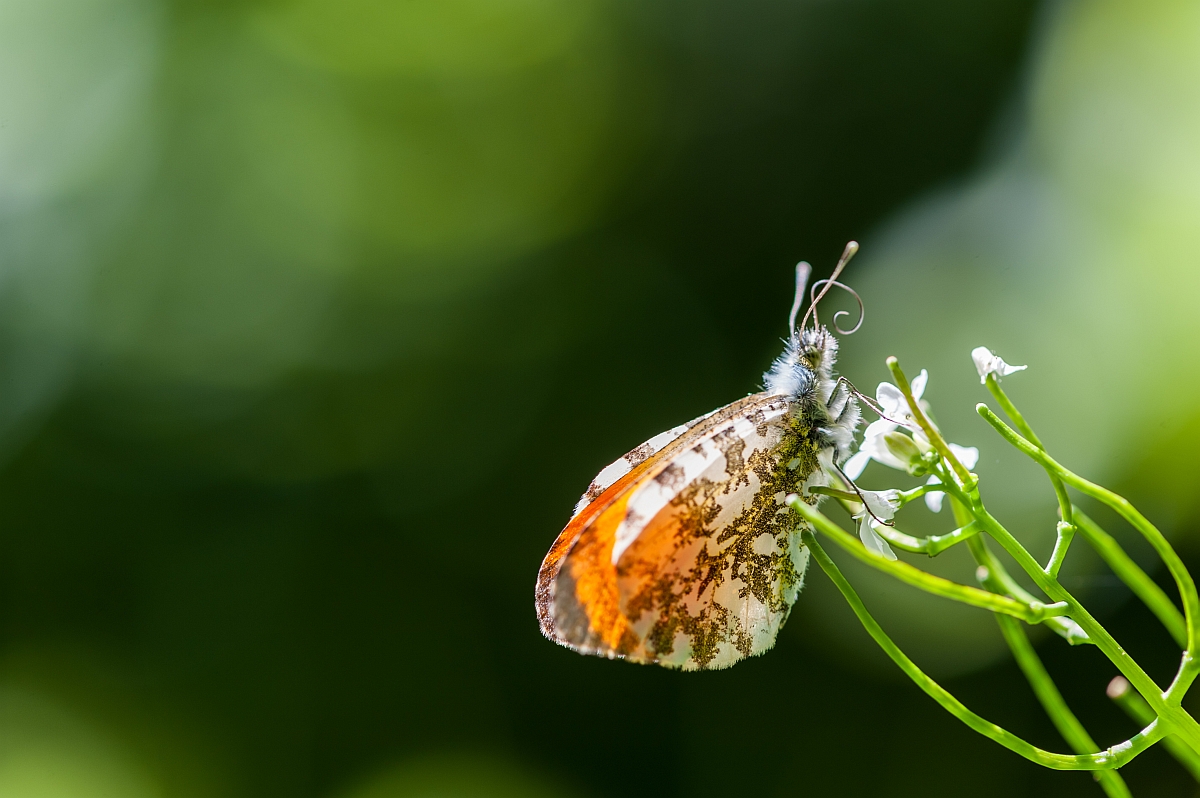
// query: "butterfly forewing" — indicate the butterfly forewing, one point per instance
point(630, 460)
point(584, 614)
point(689, 558)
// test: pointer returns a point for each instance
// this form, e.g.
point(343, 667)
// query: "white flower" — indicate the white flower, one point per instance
point(892, 405)
point(872, 540)
point(988, 362)
point(968, 456)
point(875, 446)
point(882, 504)
point(878, 506)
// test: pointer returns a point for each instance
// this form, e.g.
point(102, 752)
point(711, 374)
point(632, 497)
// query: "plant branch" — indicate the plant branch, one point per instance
point(932, 545)
point(1066, 533)
point(1056, 707)
point(993, 386)
point(998, 579)
point(1167, 706)
point(993, 577)
point(1128, 571)
point(1113, 757)
point(1183, 579)
point(935, 438)
point(1032, 612)
point(1136, 707)
point(1169, 712)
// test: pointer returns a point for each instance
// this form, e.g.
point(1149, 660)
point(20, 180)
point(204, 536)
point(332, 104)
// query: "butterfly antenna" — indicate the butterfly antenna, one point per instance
point(847, 254)
point(803, 272)
point(861, 310)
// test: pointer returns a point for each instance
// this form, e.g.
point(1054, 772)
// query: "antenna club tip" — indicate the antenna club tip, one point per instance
point(851, 248)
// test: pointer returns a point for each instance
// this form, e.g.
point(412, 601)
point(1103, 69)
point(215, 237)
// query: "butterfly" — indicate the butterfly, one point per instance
point(682, 553)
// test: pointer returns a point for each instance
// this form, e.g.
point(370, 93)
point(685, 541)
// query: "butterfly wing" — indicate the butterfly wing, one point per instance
point(583, 614)
point(690, 558)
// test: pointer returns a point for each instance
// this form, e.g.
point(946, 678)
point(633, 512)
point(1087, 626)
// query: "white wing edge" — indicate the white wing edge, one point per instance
point(623, 465)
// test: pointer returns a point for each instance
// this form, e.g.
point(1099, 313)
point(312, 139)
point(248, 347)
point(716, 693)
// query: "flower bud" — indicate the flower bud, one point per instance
point(902, 447)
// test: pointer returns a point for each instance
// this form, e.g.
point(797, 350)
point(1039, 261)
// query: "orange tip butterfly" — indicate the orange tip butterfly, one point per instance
point(682, 553)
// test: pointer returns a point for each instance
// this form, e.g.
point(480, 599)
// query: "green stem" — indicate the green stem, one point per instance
point(1183, 579)
point(931, 433)
point(1003, 581)
point(1166, 705)
point(932, 545)
point(1033, 612)
point(1137, 708)
point(1056, 707)
point(905, 496)
point(1060, 490)
point(1066, 533)
point(1189, 669)
point(909, 495)
point(993, 386)
point(997, 578)
point(1179, 721)
point(842, 495)
point(1153, 596)
point(993, 577)
point(1114, 757)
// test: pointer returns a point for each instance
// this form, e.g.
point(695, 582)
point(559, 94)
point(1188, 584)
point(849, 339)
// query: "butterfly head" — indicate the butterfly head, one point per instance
point(816, 349)
point(807, 361)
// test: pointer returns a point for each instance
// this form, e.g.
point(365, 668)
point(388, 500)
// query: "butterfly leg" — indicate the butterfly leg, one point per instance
point(845, 390)
point(847, 407)
point(846, 393)
point(866, 400)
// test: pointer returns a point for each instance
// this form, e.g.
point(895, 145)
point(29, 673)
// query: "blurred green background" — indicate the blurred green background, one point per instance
point(316, 318)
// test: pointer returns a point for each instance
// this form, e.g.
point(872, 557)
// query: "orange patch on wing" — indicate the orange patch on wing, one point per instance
point(585, 548)
point(650, 590)
point(595, 578)
point(588, 539)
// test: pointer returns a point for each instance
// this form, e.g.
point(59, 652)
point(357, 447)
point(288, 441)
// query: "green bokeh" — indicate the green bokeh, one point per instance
point(316, 318)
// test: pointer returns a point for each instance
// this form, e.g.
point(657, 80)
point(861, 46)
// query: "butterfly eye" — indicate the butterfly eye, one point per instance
point(811, 351)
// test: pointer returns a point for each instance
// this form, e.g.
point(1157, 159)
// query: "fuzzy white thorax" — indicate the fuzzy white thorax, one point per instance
point(804, 375)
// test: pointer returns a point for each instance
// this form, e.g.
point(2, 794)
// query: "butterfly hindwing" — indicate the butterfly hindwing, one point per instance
point(689, 559)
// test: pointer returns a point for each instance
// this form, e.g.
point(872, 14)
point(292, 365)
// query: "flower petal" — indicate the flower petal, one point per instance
point(890, 399)
point(967, 455)
point(853, 467)
point(878, 429)
point(881, 504)
point(872, 541)
point(987, 362)
point(934, 500)
point(919, 382)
